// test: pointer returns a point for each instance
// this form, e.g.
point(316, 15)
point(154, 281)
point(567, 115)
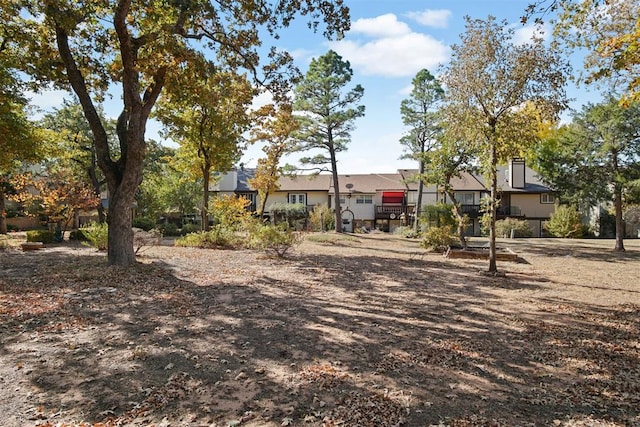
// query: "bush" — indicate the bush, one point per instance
point(169, 229)
point(565, 222)
point(322, 218)
point(230, 211)
point(438, 215)
point(189, 228)
point(290, 213)
point(144, 223)
point(78, 235)
point(520, 228)
point(407, 232)
point(4, 242)
point(97, 235)
point(439, 238)
point(218, 237)
point(44, 236)
point(275, 239)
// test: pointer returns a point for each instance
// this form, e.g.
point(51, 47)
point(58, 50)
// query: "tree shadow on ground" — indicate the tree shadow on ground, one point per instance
point(322, 338)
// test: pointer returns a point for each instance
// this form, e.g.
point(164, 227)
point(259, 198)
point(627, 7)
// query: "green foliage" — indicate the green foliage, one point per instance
point(188, 228)
point(97, 235)
point(566, 222)
point(230, 212)
point(293, 214)
point(44, 236)
point(439, 238)
point(169, 229)
point(407, 232)
point(219, 236)
point(438, 215)
point(321, 218)
point(274, 239)
point(144, 223)
point(520, 228)
point(78, 235)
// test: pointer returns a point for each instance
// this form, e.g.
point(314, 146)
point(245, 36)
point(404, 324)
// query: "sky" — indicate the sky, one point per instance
point(388, 43)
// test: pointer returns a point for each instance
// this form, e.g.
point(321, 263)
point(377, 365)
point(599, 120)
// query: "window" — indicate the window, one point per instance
point(364, 199)
point(464, 198)
point(298, 198)
point(547, 198)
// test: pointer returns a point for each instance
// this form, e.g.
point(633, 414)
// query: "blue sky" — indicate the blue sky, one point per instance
point(389, 42)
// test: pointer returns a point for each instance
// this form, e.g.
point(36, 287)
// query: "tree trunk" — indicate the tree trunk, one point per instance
point(493, 268)
point(617, 203)
point(418, 209)
point(206, 176)
point(336, 190)
point(120, 239)
point(457, 210)
point(3, 213)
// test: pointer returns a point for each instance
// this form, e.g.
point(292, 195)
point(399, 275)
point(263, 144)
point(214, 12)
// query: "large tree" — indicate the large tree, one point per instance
point(491, 84)
point(208, 120)
point(75, 148)
point(327, 115)
point(607, 30)
point(276, 127)
point(420, 113)
point(596, 158)
point(91, 45)
point(19, 137)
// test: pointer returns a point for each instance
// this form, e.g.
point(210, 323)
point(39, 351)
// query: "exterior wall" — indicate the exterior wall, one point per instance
point(530, 205)
point(313, 197)
point(362, 211)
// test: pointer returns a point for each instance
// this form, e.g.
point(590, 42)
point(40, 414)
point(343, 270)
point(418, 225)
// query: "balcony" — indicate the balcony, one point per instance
point(393, 211)
point(474, 211)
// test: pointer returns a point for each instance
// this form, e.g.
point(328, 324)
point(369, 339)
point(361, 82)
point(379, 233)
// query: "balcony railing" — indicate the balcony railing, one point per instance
point(393, 211)
point(474, 211)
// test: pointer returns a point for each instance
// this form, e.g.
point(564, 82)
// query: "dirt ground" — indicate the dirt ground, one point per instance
point(369, 330)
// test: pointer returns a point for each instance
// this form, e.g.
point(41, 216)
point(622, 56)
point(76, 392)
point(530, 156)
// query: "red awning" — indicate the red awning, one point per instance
point(393, 197)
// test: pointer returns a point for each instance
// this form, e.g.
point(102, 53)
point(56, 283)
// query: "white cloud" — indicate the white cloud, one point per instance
point(398, 56)
point(381, 26)
point(524, 34)
point(432, 18)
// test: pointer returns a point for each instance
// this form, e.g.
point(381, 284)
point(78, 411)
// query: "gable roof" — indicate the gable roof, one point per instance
point(465, 182)
point(369, 183)
point(305, 183)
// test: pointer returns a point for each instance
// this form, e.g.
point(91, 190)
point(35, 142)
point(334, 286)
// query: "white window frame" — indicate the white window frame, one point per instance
point(547, 198)
point(364, 199)
point(298, 198)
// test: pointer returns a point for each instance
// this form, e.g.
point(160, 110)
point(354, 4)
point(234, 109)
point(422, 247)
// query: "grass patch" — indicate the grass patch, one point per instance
point(331, 238)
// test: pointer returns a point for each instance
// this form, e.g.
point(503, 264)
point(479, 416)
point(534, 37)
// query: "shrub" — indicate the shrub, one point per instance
point(144, 223)
point(275, 239)
point(438, 215)
point(169, 229)
point(230, 211)
point(189, 228)
point(78, 235)
point(520, 228)
point(44, 236)
point(219, 236)
point(97, 235)
point(322, 218)
point(439, 238)
point(565, 222)
point(4, 242)
point(290, 213)
point(407, 232)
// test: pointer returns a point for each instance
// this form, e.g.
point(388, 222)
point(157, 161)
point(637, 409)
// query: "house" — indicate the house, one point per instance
point(387, 201)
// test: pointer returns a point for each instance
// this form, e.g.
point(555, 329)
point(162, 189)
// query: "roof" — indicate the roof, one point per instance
point(533, 182)
point(305, 183)
point(370, 183)
point(465, 182)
